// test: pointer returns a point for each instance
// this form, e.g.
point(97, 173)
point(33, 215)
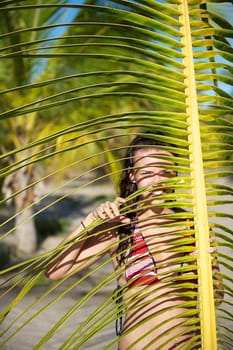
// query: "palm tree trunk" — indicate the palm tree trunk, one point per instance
point(25, 238)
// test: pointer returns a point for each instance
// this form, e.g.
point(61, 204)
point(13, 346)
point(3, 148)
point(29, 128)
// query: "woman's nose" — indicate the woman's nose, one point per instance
point(157, 178)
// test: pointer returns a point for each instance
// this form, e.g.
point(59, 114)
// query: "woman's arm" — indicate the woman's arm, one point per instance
point(217, 283)
point(69, 260)
point(217, 278)
point(83, 251)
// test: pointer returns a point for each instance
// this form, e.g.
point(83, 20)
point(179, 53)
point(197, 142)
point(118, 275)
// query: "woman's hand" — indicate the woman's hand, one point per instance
point(211, 250)
point(110, 210)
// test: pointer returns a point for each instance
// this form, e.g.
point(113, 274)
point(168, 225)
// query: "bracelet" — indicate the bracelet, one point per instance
point(85, 228)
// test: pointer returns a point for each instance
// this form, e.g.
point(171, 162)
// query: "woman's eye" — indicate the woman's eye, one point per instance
point(167, 173)
point(162, 173)
point(146, 172)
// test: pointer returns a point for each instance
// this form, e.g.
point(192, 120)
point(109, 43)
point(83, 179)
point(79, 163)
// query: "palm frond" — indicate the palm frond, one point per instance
point(117, 69)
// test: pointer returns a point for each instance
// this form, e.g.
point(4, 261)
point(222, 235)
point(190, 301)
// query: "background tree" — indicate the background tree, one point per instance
point(22, 131)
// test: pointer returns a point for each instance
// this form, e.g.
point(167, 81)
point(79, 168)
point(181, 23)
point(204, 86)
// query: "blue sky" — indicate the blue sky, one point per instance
point(64, 16)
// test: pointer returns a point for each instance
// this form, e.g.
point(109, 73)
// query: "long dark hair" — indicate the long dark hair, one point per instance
point(127, 187)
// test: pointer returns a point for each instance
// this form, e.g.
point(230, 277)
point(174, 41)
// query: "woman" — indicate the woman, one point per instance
point(139, 235)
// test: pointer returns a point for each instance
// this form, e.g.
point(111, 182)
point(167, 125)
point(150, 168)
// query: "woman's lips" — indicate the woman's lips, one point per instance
point(158, 192)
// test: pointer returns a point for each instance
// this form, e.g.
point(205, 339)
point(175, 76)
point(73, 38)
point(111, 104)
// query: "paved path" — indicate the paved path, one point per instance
point(30, 335)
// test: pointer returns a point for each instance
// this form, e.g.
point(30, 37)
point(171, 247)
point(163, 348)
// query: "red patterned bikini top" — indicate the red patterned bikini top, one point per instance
point(140, 265)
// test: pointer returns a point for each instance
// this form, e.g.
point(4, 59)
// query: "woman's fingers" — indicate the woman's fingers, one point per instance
point(110, 210)
point(213, 247)
point(100, 213)
point(124, 219)
point(211, 250)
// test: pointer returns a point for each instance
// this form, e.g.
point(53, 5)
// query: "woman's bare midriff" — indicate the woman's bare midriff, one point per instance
point(148, 325)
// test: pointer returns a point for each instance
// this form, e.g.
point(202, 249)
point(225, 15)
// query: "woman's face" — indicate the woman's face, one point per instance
point(149, 170)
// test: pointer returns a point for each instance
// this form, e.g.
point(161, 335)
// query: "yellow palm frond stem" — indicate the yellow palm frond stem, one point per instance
point(204, 268)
